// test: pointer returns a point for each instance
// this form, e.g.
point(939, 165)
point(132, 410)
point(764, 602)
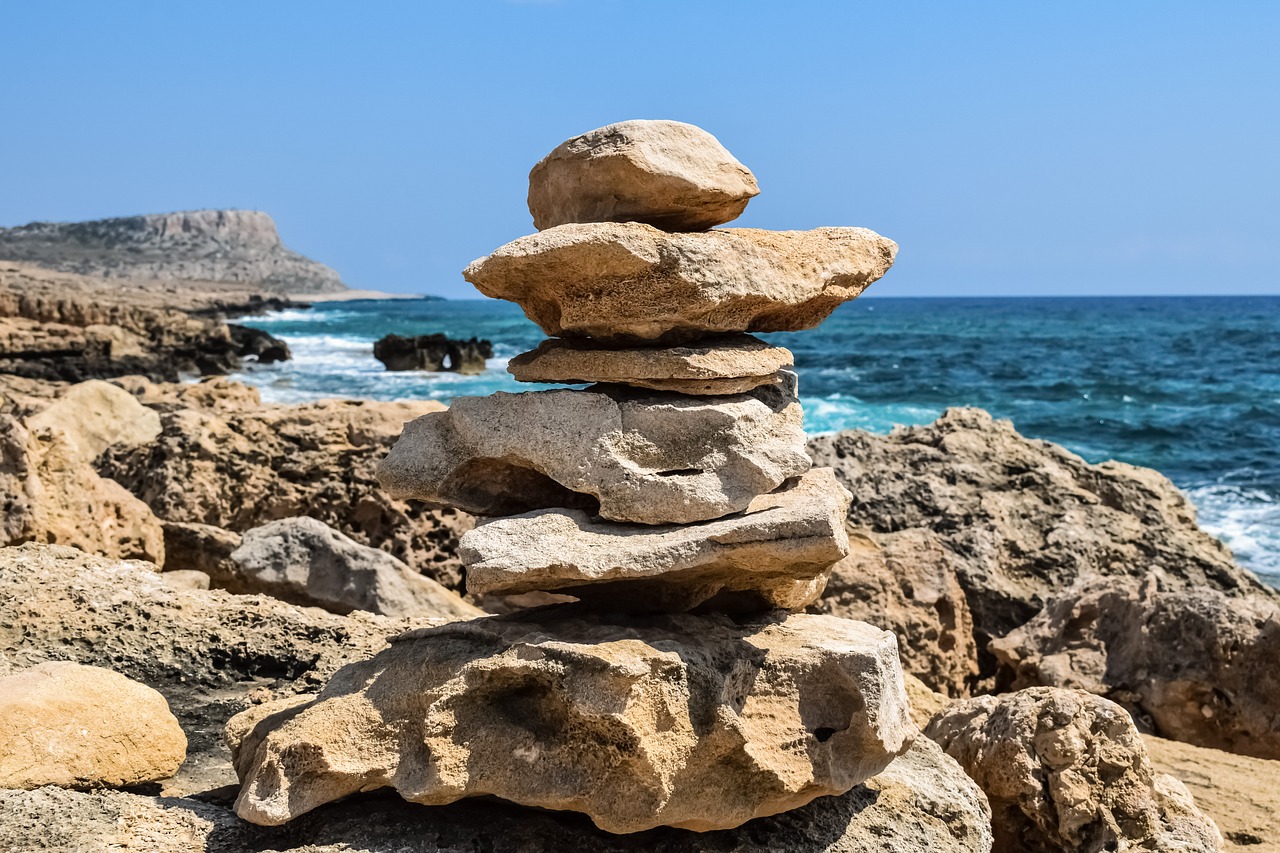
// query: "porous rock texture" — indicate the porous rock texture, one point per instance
point(49, 492)
point(96, 415)
point(209, 653)
point(630, 282)
point(1198, 665)
point(920, 802)
point(225, 459)
point(726, 364)
point(1065, 770)
point(640, 456)
point(694, 722)
point(906, 583)
point(1021, 519)
point(80, 726)
point(305, 561)
point(776, 553)
point(666, 173)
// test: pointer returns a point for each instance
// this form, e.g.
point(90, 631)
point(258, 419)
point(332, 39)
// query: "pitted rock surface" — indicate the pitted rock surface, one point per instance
point(695, 722)
point(778, 552)
point(630, 282)
point(645, 457)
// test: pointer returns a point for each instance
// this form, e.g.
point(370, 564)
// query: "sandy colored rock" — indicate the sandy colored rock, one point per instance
point(644, 457)
point(669, 174)
point(925, 701)
point(728, 364)
point(630, 282)
point(227, 460)
point(921, 802)
point(305, 561)
point(1200, 666)
point(187, 579)
point(1066, 770)
point(50, 493)
point(776, 553)
point(96, 415)
point(905, 582)
point(695, 722)
point(66, 724)
point(1240, 793)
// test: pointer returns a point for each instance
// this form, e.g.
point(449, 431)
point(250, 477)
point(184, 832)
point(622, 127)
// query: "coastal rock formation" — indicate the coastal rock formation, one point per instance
point(432, 352)
point(732, 364)
point(305, 561)
point(581, 280)
point(236, 246)
point(636, 456)
point(667, 173)
point(776, 553)
point(1066, 770)
point(96, 415)
point(49, 492)
point(1200, 665)
point(225, 459)
point(693, 722)
point(906, 583)
point(1024, 519)
point(262, 347)
point(922, 801)
point(81, 726)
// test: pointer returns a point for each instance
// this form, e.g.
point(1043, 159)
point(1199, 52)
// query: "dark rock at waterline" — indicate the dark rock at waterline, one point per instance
point(433, 352)
point(255, 343)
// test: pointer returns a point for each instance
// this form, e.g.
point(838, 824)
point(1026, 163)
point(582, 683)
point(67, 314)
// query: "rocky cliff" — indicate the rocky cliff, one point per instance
point(227, 246)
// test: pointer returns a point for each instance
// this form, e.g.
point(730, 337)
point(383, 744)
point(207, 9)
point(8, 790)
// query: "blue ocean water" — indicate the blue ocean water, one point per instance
point(1187, 385)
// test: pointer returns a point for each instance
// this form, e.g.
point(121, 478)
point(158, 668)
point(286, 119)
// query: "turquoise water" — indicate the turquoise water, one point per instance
point(1188, 385)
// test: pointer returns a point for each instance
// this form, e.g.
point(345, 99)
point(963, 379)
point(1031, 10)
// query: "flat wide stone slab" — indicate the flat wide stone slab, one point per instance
point(666, 173)
point(730, 364)
point(630, 282)
point(698, 722)
point(777, 553)
point(640, 456)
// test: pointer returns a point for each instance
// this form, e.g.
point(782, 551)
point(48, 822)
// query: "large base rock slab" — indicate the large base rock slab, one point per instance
point(920, 802)
point(1066, 770)
point(81, 726)
point(666, 173)
point(728, 364)
point(620, 282)
point(696, 722)
point(643, 457)
point(776, 553)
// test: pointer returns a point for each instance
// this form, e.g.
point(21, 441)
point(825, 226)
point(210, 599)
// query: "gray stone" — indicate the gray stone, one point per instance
point(644, 457)
point(776, 553)
point(666, 173)
point(629, 282)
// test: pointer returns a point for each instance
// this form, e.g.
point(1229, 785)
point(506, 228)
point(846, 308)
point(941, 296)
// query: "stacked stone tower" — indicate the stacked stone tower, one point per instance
point(672, 500)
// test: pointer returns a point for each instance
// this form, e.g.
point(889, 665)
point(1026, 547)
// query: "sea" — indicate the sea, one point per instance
point(1189, 386)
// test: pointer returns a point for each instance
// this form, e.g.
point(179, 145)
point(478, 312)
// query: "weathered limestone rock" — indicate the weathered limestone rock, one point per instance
point(905, 582)
point(729, 364)
point(923, 801)
point(776, 553)
point(630, 282)
point(66, 724)
point(1200, 665)
point(96, 415)
point(49, 492)
point(644, 457)
point(1067, 771)
point(694, 722)
point(305, 561)
point(666, 173)
point(433, 352)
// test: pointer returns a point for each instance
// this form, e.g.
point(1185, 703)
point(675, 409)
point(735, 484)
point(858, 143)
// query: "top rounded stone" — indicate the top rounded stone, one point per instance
point(668, 174)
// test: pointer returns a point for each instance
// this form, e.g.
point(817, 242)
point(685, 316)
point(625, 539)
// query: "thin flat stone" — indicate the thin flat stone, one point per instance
point(777, 553)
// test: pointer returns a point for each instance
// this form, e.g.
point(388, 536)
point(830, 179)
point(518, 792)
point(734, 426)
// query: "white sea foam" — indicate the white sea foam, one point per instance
point(1246, 520)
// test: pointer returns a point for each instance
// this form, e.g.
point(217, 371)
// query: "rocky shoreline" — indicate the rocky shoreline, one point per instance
point(1088, 668)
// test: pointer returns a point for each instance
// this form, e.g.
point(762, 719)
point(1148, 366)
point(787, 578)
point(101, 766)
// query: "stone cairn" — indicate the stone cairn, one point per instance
point(672, 499)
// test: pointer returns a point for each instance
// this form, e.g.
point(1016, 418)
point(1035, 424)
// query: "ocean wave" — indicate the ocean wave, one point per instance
point(1247, 521)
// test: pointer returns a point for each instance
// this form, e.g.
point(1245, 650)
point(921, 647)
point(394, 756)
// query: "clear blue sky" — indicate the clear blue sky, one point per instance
point(1010, 148)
